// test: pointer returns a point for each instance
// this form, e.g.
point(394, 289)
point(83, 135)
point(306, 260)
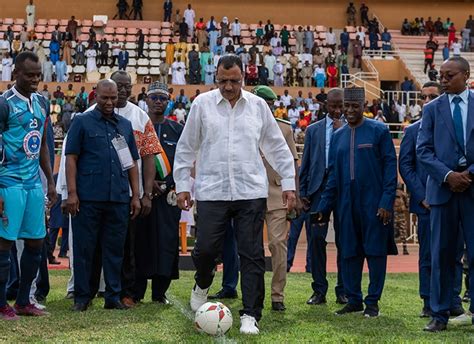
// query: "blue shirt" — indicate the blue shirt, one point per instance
point(22, 122)
point(99, 173)
point(344, 38)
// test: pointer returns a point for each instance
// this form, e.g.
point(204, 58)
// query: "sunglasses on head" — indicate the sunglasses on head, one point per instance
point(430, 96)
point(155, 97)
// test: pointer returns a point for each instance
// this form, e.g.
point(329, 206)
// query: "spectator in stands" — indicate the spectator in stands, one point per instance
point(82, 101)
point(164, 71)
point(225, 26)
point(414, 109)
point(415, 27)
point(211, 24)
point(229, 48)
point(79, 56)
point(299, 36)
point(306, 74)
point(446, 26)
point(54, 48)
point(406, 85)
point(123, 59)
point(308, 38)
point(236, 31)
point(456, 46)
point(333, 75)
point(7, 63)
point(67, 51)
point(344, 68)
point(345, 39)
point(286, 98)
point(17, 47)
point(45, 92)
point(4, 45)
point(177, 21)
point(47, 69)
point(178, 72)
point(104, 52)
point(351, 12)
point(180, 113)
point(281, 112)
point(285, 39)
point(251, 73)
point(278, 70)
point(61, 70)
point(445, 52)
point(259, 33)
point(319, 76)
point(433, 44)
point(183, 29)
point(364, 14)
point(209, 71)
point(270, 61)
point(54, 111)
point(269, 30)
point(451, 34)
point(30, 15)
point(374, 40)
point(433, 73)
point(429, 26)
point(137, 6)
point(275, 40)
point(71, 28)
point(361, 35)
point(466, 38)
point(386, 40)
point(194, 65)
point(189, 17)
point(331, 39)
point(140, 43)
point(438, 27)
point(278, 50)
point(170, 48)
point(356, 52)
point(29, 45)
point(167, 9)
point(91, 55)
point(58, 94)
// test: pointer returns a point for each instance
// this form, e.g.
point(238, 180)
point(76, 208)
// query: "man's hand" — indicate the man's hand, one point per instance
point(157, 190)
point(72, 204)
point(425, 205)
point(306, 203)
point(337, 123)
point(134, 207)
point(52, 195)
point(146, 206)
point(63, 207)
point(184, 201)
point(299, 208)
point(459, 182)
point(384, 215)
point(289, 200)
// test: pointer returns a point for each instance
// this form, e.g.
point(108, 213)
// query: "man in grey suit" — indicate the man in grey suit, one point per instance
point(313, 177)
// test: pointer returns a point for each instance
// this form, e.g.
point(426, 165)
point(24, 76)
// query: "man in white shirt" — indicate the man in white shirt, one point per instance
point(235, 29)
point(286, 98)
point(226, 132)
point(180, 113)
point(402, 110)
point(415, 110)
point(456, 47)
point(331, 39)
point(30, 15)
point(189, 17)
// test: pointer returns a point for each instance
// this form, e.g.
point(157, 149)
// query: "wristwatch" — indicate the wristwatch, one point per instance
point(149, 195)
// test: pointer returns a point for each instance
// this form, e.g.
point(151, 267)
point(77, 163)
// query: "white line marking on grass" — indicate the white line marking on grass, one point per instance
point(190, 315)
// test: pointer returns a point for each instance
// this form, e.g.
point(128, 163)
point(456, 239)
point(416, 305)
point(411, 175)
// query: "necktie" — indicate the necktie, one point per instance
point(458, 126)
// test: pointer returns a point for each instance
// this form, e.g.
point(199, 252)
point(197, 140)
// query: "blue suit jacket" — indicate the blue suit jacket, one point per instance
point(123, 59)
point(313, 165)
point(413, 174)
point(437, 148)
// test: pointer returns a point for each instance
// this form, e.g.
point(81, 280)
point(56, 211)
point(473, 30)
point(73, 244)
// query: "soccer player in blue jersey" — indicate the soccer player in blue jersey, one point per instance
point(23, 150)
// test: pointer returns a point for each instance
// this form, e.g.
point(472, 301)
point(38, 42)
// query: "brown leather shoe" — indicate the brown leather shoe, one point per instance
point(129, 302)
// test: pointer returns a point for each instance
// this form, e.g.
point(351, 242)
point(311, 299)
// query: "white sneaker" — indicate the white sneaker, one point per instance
point(35, 302)
point(248, 325)
point(198, 297)
point(461, 320)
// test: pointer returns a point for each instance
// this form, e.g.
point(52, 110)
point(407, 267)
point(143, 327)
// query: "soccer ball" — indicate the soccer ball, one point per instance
point(213, 318)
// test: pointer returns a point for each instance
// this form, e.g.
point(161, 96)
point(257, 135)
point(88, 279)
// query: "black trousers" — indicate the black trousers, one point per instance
point(159, 286)
point(212, 222)
point(128, 265)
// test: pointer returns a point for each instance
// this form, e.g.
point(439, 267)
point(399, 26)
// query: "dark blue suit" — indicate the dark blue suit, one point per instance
point(439, 153)
point(415, 177)
point(313, 178)
point(123, 60)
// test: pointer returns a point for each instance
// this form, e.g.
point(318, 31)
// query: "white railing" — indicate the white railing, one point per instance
point(359, 79)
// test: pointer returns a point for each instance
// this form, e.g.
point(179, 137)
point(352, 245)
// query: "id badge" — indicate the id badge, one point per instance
point(123, 152)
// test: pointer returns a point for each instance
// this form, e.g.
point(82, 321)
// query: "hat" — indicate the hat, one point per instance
point(158, 87)
point(354, 94)
point(264, 92)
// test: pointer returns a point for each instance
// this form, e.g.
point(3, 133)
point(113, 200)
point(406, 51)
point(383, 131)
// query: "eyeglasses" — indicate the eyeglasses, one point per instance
point(448, 77)
point(155, 97)
point(233, 82)
point(430, 96)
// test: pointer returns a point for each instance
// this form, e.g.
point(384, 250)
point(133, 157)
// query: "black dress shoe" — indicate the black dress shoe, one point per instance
point(350, 308)
point(425, 312)
point(80, 307)
point(222, 294)
point(342, 299)
point(116, 305)
point(435, 326)
point(466, 297)
point(457, 311)
point(278, 306)
point(162, 300)
point(316, 299)
point(371, 311)
point(100, 295)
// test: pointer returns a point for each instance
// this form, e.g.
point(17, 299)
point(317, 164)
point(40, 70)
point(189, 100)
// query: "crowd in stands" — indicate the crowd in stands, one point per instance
point(279, 55)
point(464, 37)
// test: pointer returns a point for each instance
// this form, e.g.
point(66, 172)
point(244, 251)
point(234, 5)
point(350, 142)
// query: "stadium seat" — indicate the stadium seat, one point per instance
point(154, 46)
point(53, 22)
point(104, 69)
point(109, 38)
point(143, 71)
point(42, 22)
point(8, 21)
point(93, 77)
point(132, 62)
point(50, 29)
point(154, 39)
point(39, 36)
point(155, 71)
point(131, 70)
point(166, 32)
point(131, 38)
point(120, 31)
point(97, 24)
point(165, 25)
point(132, 53)
point(143, 62)
point(253, 27)
point(121, 38)
point(130, 46)
point(19, 21)
point(68, 69)
point(145, 31)
point(40, 29)
point(154, 31)
point(79, 69)
point(84, 37)
point(132, 31)
point(17, 28)
point(87, 22)
point(277, 27)
point(109, 30)
point(320, 28)
point(47, 37)
point(154, 54)
point(154, 62)
point(244, 26)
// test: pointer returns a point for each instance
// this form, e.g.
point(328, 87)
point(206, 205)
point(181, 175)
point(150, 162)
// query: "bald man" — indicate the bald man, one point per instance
point(101, 157)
